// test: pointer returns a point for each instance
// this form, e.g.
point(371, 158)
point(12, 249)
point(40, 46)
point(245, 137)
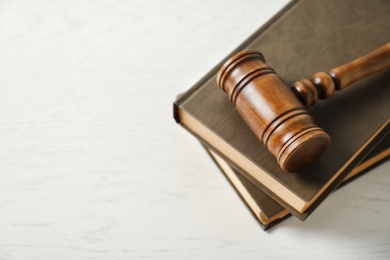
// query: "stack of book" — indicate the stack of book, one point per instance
point(304, 38)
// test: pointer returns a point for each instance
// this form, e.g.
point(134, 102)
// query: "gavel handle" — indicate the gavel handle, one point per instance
point(323, 85)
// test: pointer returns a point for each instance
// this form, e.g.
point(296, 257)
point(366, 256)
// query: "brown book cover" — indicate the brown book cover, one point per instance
point(304, 38)
point(266, 210)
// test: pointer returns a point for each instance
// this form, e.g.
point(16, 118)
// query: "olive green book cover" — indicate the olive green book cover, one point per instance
point(304, 38)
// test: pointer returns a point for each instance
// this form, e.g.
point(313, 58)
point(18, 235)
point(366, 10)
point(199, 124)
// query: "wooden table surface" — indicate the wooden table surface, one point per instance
point(93, 166)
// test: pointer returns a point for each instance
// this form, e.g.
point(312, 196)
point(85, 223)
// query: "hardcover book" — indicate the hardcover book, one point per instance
point(304, 38)
point(266, 210)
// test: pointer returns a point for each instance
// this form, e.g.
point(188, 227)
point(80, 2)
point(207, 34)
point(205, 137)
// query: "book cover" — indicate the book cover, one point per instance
point(306, 37)
point(266, 210)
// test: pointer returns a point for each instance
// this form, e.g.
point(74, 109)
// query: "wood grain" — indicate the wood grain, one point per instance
point(277, 114)
point(92, 165)
point(322, 85)
point(272, 111)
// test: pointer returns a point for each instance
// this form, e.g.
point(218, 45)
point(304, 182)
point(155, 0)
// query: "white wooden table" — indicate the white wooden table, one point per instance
point(93, 166)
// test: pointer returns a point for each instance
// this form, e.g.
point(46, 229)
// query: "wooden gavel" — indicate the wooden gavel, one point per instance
point(277, 114)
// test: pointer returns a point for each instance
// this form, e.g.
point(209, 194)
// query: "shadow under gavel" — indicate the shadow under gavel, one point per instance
point(277, 114)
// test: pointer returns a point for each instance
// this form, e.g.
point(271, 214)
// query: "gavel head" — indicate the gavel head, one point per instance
point(272, 111)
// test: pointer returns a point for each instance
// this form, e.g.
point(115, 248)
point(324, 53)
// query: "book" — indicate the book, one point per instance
point(304, 38)
point(266, 210)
